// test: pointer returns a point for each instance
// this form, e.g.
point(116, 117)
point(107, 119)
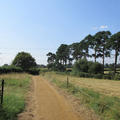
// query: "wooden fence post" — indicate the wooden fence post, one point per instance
point(2, 92)
point(67, 82)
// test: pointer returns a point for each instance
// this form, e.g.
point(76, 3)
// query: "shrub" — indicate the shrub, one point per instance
point(51, 66)
point(107, 77)
point(81, 66)
point(95, 68)
point(33, 71)
point(59, 67)
point(9, 69)
point(111, 75)
point(56, 67)
point(87, 67)
point(117, 77)
point(98, 76)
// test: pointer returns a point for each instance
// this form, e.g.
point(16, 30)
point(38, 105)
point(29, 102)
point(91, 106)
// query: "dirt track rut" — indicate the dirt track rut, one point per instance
point(50, 105)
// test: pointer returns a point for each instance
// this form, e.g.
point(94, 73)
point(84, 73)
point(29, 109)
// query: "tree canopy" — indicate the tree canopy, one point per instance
point(24, 60)
point(98, 45)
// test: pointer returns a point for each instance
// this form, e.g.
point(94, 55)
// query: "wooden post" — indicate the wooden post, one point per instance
point(2, 92)
point(67, 82)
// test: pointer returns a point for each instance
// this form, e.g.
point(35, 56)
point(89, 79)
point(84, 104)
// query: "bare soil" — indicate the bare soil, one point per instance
point(45, 103)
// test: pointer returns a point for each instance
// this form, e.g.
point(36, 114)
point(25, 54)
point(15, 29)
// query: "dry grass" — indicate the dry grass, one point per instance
point(14, 76)
point(107, 87)
point(88, 93)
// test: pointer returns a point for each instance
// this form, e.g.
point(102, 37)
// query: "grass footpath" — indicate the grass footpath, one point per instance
point(16, 85)
point(108, 108)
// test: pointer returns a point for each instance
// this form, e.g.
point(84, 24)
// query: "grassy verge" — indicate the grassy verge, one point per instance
point(16, 85)
point(108, 108)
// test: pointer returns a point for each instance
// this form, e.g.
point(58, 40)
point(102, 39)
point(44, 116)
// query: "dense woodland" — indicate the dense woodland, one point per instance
point(95, 46)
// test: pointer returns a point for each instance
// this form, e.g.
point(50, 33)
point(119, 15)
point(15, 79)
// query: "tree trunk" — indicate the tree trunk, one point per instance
point(85, 57)
point(95, 55)
point(103, 61)
point(65, 62)
point(116, 55)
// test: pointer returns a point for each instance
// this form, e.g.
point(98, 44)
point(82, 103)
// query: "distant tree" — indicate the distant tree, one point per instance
point(24, 60)
point(76, 51)
point(94, 45)
point(85, 45)
point(5, 65)
point(62, 54)
point(103, 38)
point(51, 58)
point(115, 45)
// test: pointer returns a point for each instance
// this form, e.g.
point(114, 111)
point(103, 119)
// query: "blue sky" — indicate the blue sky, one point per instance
point(40, 26)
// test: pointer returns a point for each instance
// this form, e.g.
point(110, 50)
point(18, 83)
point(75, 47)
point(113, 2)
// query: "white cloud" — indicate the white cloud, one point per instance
point(103, 26)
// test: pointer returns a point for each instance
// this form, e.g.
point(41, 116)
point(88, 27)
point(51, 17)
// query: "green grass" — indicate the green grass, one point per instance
point(108, 108)
point(16, 85)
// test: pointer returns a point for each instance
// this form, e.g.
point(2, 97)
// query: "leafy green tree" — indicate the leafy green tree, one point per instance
point(24, 60)
point(59, 67)
point(85, 66)
point(76, 52)
point(51, 58)
point(115, 45)
point(81, 50)
point(94, 45)
point(85, 45)
point(62, 54)
point(103, 37)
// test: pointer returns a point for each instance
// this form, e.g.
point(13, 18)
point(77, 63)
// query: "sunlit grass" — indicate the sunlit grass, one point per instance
point(107, 87)
point(16, 86)
point(107, 107)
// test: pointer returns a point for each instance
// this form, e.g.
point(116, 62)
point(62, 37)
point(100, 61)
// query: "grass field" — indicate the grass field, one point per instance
point(16, 85)
point(100, 95)
point(107, 87)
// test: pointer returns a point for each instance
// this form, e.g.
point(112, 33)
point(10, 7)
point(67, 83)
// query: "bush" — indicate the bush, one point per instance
point(59, 67)
point(117, 77)
point(9, 69)
point(87, 67)
point(111, 75)
point(95, 68)
point(81, 66)
point(33, 71)
point(56, 67)
point(98, 76)
point(51, 66)
point(107, 77)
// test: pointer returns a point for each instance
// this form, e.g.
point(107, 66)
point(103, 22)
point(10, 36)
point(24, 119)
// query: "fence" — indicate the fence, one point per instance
point(1, 91)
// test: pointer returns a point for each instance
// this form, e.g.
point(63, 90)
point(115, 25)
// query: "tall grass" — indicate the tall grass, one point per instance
point(16, 85)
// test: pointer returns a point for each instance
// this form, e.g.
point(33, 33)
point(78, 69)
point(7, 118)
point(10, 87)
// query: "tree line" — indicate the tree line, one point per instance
point(95, 46)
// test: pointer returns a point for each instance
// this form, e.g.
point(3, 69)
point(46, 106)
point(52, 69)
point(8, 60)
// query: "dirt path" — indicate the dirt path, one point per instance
point(49, 104)
point(45, 103)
